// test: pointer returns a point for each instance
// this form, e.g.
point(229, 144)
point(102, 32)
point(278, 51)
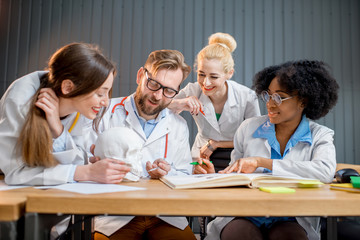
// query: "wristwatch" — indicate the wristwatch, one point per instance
point(208, 145)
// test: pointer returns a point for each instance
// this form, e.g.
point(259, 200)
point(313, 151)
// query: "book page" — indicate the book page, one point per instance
point(193, 179)
point(209, 180)
point(253, 180)
point(281, 181)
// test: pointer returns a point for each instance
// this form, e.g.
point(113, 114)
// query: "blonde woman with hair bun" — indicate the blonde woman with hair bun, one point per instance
point(217, 104)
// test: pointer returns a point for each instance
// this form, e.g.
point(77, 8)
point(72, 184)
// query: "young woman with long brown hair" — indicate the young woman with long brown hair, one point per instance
point(45, 115)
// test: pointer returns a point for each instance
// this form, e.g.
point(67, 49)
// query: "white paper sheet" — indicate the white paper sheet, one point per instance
point(93, 188)
point(4, 186)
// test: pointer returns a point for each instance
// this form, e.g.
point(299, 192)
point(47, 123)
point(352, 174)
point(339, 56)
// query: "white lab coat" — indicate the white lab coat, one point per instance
point(14, 106)
point(178, 153)
point(242, 103)
point(303, 160)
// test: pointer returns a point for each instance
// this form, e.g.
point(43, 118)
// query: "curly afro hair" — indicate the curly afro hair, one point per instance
point(310, 81)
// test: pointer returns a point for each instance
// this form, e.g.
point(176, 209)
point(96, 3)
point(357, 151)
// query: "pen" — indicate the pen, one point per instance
point(164, 163)
point(196, 163)
point(202, 112)
point(153, 169)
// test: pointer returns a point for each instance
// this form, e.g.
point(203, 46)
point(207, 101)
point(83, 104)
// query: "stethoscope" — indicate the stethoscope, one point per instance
point(127, 113)
point(119, 104)
point(74, 122)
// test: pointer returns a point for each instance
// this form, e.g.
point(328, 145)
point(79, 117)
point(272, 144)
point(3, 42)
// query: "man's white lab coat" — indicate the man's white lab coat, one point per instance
point(154, 147)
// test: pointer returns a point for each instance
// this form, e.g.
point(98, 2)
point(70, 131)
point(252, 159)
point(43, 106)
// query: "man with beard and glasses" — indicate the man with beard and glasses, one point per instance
point(165, 143)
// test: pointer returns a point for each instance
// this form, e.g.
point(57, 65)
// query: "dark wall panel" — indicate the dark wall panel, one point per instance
point(267, 32)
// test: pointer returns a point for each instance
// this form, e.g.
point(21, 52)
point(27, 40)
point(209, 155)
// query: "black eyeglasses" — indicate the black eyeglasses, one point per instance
point(154, 85)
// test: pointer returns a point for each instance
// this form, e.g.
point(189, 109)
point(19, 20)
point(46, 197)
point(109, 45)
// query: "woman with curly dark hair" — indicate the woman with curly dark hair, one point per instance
point(284, 142)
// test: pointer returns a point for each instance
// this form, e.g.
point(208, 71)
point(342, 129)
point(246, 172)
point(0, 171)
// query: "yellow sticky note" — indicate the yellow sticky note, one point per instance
point(310, 184)
point(277, 189)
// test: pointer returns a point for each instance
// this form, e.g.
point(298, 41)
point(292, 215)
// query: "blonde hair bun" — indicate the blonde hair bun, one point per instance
point(223, 39)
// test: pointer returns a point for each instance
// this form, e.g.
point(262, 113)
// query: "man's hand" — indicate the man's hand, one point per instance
point(158, 168)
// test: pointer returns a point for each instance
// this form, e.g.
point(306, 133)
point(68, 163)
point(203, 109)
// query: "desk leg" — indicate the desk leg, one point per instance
point(11, 230)
point(88, 223)
point(82, 227)
point(77, 226)
point(38, 226)
point(331, 228)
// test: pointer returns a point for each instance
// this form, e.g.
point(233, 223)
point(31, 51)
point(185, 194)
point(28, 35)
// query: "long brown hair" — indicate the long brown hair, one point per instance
point(88, 69)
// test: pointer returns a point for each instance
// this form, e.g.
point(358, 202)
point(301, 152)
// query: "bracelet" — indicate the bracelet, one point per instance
point(208, 145)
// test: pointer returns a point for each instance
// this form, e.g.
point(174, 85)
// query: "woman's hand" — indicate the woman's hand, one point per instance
point(204, 167)
point(208, 149)
point(49, 103)
point(248, 165)
point(158, 168)
point(93, 159)
point(242, 165)
point(103, 171)
point(191, 104)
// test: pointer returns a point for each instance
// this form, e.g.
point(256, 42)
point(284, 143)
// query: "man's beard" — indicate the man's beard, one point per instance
point(140, 99)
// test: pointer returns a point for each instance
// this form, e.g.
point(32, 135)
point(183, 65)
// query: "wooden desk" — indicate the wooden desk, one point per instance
point(11, 212)
point(158, 199)
point(12, 209)
point(12, 202)
point(345, 165)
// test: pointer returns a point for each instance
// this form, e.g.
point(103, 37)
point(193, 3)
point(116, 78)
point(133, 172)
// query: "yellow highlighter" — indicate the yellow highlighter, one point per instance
point(277, 189)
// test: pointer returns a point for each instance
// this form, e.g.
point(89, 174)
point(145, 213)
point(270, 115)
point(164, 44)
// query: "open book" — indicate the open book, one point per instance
point(253, 180)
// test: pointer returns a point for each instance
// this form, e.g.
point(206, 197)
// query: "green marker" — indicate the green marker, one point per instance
point(196, 163)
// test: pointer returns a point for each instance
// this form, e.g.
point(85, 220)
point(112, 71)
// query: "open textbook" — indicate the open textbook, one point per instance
point(253, 180)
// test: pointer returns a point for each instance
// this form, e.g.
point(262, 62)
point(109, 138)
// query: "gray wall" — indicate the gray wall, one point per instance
point(267, 32)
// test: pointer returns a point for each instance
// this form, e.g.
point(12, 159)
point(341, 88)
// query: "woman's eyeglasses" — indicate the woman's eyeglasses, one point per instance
point(275, 97)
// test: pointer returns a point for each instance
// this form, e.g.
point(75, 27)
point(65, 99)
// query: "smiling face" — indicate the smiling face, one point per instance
point(211, 77)
point(289, 111)
point(149, 103)
point(90, 104)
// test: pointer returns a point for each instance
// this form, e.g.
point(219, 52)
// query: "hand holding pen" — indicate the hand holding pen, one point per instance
point(203, 166)
point(158, 168)
point(194, 106)
point(191, 104)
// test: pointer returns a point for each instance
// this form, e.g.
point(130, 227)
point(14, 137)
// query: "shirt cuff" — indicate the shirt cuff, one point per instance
point(71, 174)
point(59, 143)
